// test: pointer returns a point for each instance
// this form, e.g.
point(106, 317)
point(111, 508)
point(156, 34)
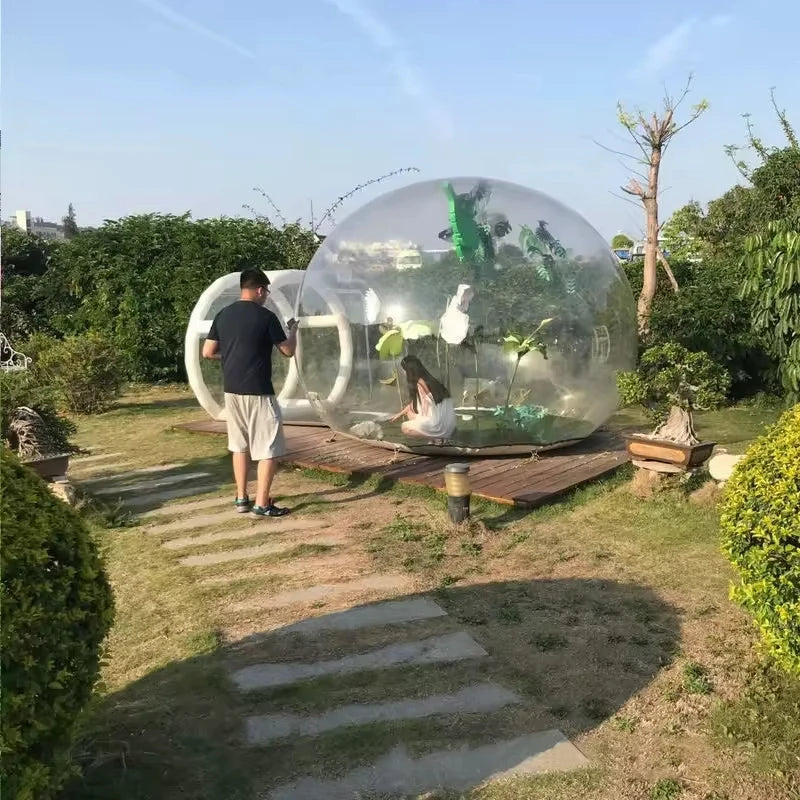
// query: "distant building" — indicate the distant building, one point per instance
point(36, 225)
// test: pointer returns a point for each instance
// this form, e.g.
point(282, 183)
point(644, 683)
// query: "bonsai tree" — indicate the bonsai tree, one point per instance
point(30, 424)
point(670, 383)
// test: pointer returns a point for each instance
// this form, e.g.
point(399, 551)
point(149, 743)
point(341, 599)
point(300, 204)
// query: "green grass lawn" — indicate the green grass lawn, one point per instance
point(607, 613)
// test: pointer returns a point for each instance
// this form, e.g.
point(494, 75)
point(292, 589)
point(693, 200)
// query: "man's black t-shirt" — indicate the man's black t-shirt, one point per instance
point(246, 333)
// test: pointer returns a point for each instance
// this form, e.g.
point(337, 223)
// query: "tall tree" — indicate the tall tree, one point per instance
point(70, 223)
point(652, 135)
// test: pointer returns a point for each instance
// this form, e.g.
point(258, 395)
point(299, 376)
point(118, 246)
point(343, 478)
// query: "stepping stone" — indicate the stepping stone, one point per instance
point(135, 473)
point(166, 496)
point(189, 508)
point(392, 612)
point(220, 518)
point(154, 484)
point(256, 527)
point(224, 557)
point(482, 698)
point(436, 649)
point(456, 770)
point(104, 470)
point(99, 457)
point(325, 592)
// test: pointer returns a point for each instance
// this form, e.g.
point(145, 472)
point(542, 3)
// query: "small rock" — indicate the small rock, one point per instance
point(721, 465)
point(709, 494)
point(646, 483)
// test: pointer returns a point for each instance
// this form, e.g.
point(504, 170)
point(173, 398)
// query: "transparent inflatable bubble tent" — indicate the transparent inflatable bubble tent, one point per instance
point(502, 296)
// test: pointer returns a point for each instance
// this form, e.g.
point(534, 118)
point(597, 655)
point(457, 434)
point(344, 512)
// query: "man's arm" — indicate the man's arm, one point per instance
point(211, 349)
point(288, 346)
point(211, 344)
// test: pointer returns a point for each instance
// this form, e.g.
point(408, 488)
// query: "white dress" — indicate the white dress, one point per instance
point(434, 420)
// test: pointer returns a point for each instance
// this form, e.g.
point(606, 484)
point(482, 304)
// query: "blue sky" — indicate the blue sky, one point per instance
point(140, 105)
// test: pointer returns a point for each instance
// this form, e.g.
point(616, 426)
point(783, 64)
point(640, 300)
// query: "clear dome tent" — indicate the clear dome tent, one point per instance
point(507, 297)
point(330, 330)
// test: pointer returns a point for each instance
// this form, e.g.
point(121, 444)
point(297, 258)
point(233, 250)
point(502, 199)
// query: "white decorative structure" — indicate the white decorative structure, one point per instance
point(454, 323)
point(10, 359)
point(284, 287)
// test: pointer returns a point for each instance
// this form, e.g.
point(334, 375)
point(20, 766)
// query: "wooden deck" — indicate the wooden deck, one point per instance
point(518, 481)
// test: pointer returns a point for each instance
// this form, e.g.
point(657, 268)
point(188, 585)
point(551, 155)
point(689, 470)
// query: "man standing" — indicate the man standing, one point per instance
point(242, 336)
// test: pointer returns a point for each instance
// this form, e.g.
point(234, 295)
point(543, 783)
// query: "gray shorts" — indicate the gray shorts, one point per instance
point(255, 425)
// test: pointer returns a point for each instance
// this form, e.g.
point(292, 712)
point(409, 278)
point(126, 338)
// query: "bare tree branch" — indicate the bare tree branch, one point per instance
point(343, 198)
point(665, 264)
point(626, 199)
point(270, 201)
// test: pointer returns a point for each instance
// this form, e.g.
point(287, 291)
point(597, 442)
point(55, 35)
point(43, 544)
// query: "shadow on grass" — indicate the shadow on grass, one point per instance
point(574, 651)
point(156, 406)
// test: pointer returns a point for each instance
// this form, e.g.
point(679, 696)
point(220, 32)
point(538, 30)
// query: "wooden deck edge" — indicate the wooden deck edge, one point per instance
point(390, 481)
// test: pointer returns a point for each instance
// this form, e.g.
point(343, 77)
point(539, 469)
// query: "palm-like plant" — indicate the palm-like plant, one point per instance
point(392, 344)
point(521, 346)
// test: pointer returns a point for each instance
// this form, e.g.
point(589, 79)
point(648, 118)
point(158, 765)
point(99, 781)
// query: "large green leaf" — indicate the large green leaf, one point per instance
point(390, 345)
point(416, 329)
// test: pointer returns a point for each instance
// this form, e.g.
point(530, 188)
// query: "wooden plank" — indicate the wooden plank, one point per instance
point(509, 480)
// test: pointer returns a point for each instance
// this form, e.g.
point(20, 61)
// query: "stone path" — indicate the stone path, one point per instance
point(393, 612)
point(482, 698)
point(327, 592)
point(451, 647)
point(190, 532)
point(256, 528)
point(226, 556)
point(397, 773)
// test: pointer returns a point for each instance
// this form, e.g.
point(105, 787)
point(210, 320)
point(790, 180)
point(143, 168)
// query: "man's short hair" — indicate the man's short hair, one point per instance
point(253, 279)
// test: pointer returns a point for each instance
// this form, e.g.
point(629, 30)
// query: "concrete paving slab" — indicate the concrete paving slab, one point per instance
point(134, 473)
point(326, 592)
point(482, 698)
point(157, 483)
point(189, 508)
point(90, 470)
point(436, 649)
point(190, 523)
point(226, 556)
point(170, 494)
point(256, 527)
point(454, 770)
point(94, 457)
point(392, 612)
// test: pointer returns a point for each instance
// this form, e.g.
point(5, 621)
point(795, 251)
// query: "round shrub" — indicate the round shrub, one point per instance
point(761, 536)
point(57, 607)
point(84, 369)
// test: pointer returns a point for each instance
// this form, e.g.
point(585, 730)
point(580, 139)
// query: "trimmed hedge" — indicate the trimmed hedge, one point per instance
point(57, 608)
point(761, 537)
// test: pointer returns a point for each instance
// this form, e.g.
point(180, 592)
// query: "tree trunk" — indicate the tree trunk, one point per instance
point(650, 276)
point(678, 428)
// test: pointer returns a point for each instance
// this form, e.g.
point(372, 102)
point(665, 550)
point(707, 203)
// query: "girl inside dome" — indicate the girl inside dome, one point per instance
point(430, 413)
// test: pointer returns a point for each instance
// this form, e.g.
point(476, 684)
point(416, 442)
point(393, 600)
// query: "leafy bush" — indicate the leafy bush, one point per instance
point(84, 370)
point(761, 536)
point(669, 375)
point(709, 315)
point(772, 260)
point(57, 609)
point(26, 389)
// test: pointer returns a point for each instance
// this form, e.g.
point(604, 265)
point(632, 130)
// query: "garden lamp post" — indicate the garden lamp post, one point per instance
point(456, 481)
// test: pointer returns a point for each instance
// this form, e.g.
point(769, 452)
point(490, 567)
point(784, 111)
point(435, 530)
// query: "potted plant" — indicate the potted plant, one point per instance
point(32, 427)
point(671, 383)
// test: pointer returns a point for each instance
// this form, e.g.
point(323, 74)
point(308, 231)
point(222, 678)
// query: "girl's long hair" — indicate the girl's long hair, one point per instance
point(415, 371)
